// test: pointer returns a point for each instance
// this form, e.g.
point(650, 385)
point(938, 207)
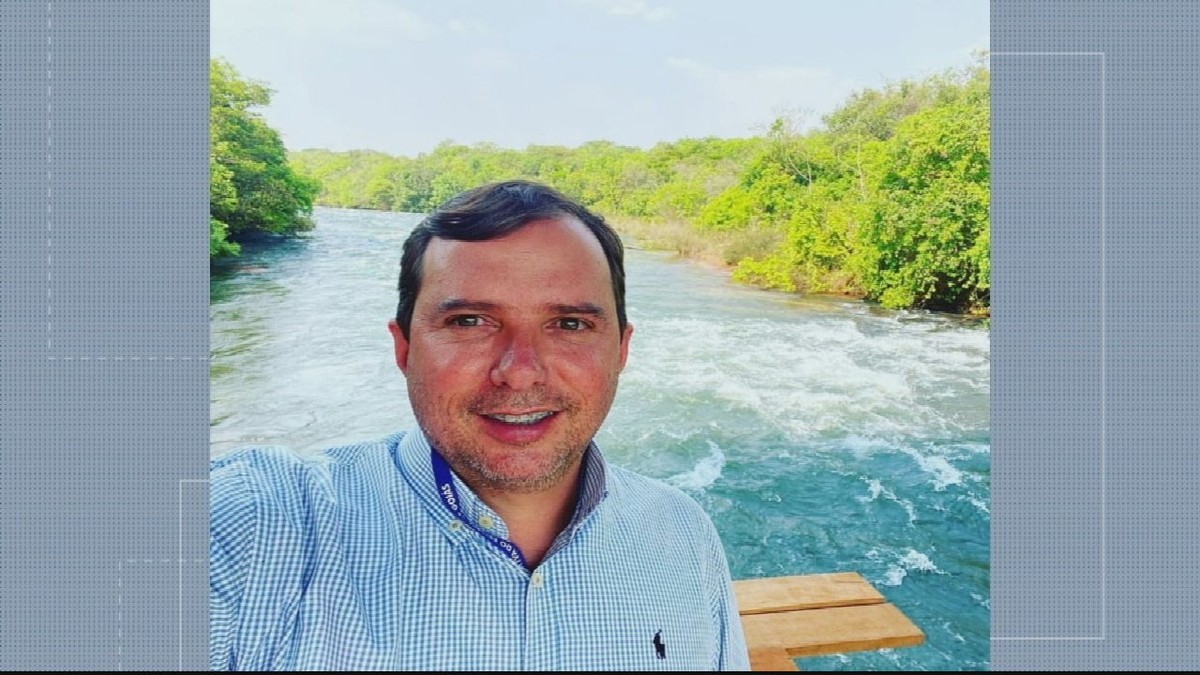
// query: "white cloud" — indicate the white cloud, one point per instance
point(468, 27)
point(748, 99)
point(635, 8)
point(491, 60)
point(342, 22)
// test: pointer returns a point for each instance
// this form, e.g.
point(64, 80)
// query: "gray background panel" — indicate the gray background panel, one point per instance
point(104, 330)
point(1047, 327)
point(1094, 398)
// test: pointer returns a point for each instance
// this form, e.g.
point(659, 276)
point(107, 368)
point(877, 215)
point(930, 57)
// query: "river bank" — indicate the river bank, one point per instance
point(717, 251)
point(722, 251)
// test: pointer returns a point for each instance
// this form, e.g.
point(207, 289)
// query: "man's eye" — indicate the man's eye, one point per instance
point(572, 324)
point(466, 321)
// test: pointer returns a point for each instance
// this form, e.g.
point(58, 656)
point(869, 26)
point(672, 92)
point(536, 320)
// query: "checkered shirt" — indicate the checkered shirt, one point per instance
point(350, 561)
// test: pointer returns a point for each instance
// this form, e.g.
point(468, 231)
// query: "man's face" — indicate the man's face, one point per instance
point(514, 352)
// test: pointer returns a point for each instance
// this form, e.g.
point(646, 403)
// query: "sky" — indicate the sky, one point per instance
point(401, 76)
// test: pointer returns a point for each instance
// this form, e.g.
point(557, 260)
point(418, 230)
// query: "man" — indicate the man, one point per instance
point(495, 535)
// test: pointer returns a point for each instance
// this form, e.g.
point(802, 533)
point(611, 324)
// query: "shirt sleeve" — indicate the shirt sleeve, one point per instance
point(233, 522)
point(732, 653)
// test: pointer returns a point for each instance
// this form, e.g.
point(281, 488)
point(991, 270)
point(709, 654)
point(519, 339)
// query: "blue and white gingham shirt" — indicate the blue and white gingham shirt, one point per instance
point(350, 561)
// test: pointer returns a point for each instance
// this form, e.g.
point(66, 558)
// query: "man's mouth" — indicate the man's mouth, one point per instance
point(523, 418)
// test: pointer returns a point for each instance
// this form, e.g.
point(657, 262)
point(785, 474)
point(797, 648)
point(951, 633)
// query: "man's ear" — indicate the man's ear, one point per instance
point(625, 344)
point(401, 345)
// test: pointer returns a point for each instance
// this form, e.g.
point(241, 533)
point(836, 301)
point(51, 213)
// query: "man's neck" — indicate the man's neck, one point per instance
point(534, 519)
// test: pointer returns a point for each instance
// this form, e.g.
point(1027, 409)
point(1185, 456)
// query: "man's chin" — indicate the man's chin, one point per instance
point(523, 469)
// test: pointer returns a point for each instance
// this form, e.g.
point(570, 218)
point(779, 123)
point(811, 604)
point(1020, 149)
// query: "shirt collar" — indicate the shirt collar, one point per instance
point(412, 459)
point(593, 485)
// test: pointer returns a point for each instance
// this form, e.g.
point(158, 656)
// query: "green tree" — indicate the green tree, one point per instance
point(927, 243)
point(888, 200)
point(252, 186)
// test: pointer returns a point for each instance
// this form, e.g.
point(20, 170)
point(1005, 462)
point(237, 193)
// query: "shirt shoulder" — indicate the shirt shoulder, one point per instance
point(642, 496)
point(269, 491)
point(659, 512)
point(290, 479)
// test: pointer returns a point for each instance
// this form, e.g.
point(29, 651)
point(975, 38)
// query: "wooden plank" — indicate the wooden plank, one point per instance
point(778, 594)
point(776, 660)
point(813, 632)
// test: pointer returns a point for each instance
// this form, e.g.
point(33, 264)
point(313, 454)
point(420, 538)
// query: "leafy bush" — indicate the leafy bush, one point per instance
point(252, 187)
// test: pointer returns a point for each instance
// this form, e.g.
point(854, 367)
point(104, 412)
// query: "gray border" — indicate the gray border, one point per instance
point(1094, 376)
point(1042, 61)
point(104, 331)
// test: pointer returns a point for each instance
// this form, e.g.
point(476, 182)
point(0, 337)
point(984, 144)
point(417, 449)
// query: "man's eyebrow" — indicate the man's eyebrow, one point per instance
point(586, 308)
point(459, 304)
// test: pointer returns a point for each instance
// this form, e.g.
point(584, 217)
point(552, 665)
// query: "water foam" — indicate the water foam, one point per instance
point(875, 489)
point(914, 560)
point(810, 375)
point(705, 473)
point(943, 472)
point(979, 504)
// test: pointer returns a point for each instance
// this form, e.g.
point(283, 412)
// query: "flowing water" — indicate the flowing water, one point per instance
point(820, 434)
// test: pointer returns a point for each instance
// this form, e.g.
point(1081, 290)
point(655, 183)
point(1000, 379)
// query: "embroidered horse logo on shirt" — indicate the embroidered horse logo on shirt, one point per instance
point(660, 648)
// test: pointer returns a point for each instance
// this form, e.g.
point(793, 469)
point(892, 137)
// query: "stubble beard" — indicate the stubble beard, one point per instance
point(455, 433)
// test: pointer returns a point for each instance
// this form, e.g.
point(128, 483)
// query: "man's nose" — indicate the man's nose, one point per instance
point(520, 363)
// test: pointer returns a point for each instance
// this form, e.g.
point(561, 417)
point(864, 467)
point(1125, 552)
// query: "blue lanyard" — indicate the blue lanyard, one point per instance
point(449, 496)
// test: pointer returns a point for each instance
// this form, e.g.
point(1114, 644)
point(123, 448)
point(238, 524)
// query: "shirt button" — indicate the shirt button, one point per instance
point(486, 522)
point(455, 525)
point(538, 579)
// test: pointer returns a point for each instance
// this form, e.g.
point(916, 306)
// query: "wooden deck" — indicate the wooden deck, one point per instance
point(789, 617)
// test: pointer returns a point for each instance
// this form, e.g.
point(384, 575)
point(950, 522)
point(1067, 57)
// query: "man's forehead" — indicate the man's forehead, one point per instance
point(557, 236)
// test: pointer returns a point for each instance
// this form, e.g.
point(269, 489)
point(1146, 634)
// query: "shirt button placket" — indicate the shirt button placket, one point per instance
point(539, 624)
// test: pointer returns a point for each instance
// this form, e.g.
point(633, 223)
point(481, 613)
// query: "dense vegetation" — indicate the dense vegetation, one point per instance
point(252, 188)
point(887, 199)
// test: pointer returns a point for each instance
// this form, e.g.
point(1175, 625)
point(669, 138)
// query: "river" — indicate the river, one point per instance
point(820, 434)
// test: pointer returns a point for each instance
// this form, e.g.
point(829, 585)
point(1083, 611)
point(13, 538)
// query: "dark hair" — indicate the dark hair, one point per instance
point(492, 211)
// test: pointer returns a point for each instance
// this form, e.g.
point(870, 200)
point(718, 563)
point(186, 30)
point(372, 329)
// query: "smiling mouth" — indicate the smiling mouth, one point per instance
point(524, 418)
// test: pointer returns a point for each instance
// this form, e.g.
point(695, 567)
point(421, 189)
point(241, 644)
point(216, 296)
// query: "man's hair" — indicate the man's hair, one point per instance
point(492, 211)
